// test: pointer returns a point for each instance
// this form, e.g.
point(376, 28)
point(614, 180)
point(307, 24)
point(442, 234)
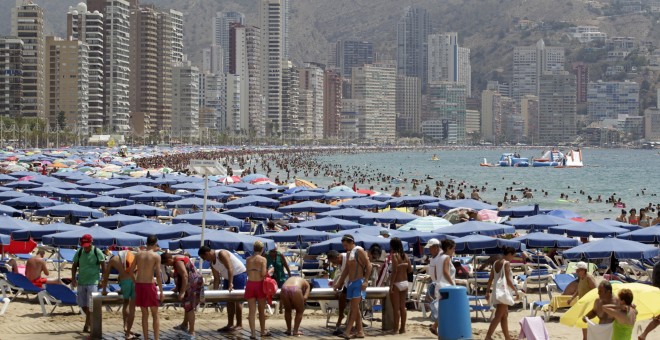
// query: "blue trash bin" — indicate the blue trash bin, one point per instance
point(454, 314)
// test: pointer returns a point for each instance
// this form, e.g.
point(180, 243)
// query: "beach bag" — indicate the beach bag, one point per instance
point(502, 292)
point(598, 332)
point(270, 288)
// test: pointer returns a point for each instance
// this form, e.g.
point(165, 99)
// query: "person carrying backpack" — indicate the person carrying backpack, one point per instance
point(91, 262)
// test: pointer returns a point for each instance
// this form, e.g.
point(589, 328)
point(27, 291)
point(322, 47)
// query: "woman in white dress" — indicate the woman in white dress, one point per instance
point(501, 270)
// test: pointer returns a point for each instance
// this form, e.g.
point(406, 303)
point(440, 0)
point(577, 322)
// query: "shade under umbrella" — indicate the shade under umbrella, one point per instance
point(361, 239)
point(102, 237)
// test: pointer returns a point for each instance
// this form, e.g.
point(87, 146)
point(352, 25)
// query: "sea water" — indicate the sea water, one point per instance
point(605, 172)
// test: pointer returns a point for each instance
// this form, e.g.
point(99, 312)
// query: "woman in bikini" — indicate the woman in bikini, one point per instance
point(254, 289)
point(632, 218)
point(399, 283)
point(293, 295)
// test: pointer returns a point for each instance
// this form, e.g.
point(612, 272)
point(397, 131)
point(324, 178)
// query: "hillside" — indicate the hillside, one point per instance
point(488, 27)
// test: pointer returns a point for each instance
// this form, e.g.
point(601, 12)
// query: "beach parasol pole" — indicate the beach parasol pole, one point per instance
point(206, 193)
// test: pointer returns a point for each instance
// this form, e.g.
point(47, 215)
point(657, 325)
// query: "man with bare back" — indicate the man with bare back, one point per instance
point(122, 263)
point(358, 271)
point(35, 266)
point(147, 264)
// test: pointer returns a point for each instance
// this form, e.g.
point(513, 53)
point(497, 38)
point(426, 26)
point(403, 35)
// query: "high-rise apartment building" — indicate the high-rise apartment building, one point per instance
point(116, 45)
point(412, 52)
point(312, 82)
point(332, 103)
point(447, 61)
point(472, 123)
point(244, 61)
point(445, 119)
point(352, 53)
point(609, 99)
point(11, 80)
point(212, 60)
point(374, 86)
point(581, 71)
point(495, 107)
point(222, 23)
point(557, 108)
point(529, 110)
point(177, 35)
point(28, 25)
point(67, 75)
point(408, 104)
point(211, 101)
point(233, 107)
point(291, 123)
point(185, 102)
point(272, 15)
point(88, 27)
point(530, 62)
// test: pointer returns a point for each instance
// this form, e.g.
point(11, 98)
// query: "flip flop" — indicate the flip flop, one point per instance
point(226, 329)
point(267, 334)
point(344, 336)
point(357, 336)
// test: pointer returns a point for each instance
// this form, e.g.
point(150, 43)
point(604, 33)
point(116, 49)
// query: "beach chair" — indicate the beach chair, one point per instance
point(560, 282)
point(58, 296)
point(5, 305)
point(18, 284)
point(478, 306)
point(480, 281)
point(328, 307)
point(540, 278)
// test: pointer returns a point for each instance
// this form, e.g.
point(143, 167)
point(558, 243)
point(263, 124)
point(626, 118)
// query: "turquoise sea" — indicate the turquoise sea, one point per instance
point(606, 171)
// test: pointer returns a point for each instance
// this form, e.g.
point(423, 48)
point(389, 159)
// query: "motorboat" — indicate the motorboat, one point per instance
point(513, 159)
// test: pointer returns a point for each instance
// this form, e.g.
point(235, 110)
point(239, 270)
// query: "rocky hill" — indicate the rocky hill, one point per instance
point(491, 28)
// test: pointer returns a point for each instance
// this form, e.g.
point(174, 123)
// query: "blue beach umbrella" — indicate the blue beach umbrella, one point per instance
point(543, 240)
point(256, 213)
point(74, 194)
point(9, 211)
point(220, 189)
point(38, 231)
point(162, 231)
point(102, 237)
point(66, 210)
point(586, 229)
point(328, 223)
point(140, 210)
point(259, 192)
point(123, 193)
point(309, 206)
point(97, 187)
point(8, 224)
point(463, 203)
point(564, 213)
point(477, 227)
point(304, 195)
point(411, 201)
point(31, 202)
point(8, 195)
point(256, 201)
point(363, 203)
point(213, 195)
point(114, 221)
point(418, 237)
point(252, 177)
point(155, 197)
point(63, 185)
point(6, 178)
point(341, 195)
point(193, 202)
point(522, 211)
point(381, 198)
point(391, 216)
point(45, 190)
point(139, 181)
point(142, 188)
point(222, 239)
point(5, 239)
point(427, 224)
point(106, 201)
point(538, 222)
point(367, 230)
point(471, 244)
point(243, 186)
point(298, 235)
point(191, 186)
point(650, 235)
point(615, 223)
point(363, 240)
point(212, 219)
point(607, 247)
point(22, 185)
point(350, 214)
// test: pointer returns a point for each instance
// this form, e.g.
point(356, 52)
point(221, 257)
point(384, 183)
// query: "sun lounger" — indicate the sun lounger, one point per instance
point(18, 284)
point(328, 307)
point(57, 296)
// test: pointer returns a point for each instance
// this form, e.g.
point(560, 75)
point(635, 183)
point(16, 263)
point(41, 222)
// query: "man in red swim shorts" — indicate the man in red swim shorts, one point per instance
point(35, 266)
point(147, 264)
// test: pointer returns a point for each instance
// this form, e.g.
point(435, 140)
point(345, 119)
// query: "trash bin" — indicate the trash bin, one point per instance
point(454, 316)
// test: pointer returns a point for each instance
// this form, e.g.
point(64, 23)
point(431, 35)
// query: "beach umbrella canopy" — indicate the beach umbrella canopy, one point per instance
point(142, 188)
point(350, 214)
point(252, 177)
point(193, 202)
point(244, 186)
point(114, 221)
point(6, 178)
point(140, 210)
point(568, 214)
point(191, 186)
point(341, 195)
point(302, 195)
point(221, 189)
point(477, 227)
point(155, 196)
point(5, 239)
point(38, 231)
point(66, 210)
point(162, 231)
point(45, 190)
point(63, 185)
point(212, 219)
point(123, 193)
point(645, 297)
point(390, 216)
point(9, 211)
point(259, 192)
point(298, 235)
point(411, 201)
point(22, 185)
point(474, 243)
point(106, 201)
point(97, 187)
point(361, 239)
point(256, 213)
point(309, 206)
point(340, 188)
point(328, 223)
point(416, 236)
point(256, 201)
point(586, 229)
point(363, 203)
point(101, 237)
point(427, 224)
point(368, 230)
point(74, 194)
point(523, 211)
point(31, 202)
point(615, 223)
point(7, 195)
point(543, 240)
point(650, 235)
point(8, 224)
point(139, 181)
point(463, 203)
point(621, 249)
point(213, 194)
point(222, 239)
point(538, 222)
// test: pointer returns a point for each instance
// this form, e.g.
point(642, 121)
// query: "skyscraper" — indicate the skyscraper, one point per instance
point(412, 52)
point(222, 23)
point(67, 73)
point(28, 25)
point(88, 27)
point(185, 102)
point(557, 108)
point(244, 57)
point(408, 104)
point(211, 101)
point(11, 81)
point(177, 35)
point(530, 62)
point(351, 53)
point(581, 71)
point(449, 62)
point(611, 99)
point(291, 123)
point(374, 92)
point(332, 103)
point(271, 13)
point(312, 82)
point(445, 119)
point(529, 110)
